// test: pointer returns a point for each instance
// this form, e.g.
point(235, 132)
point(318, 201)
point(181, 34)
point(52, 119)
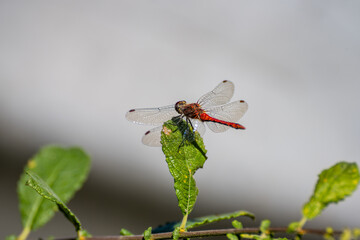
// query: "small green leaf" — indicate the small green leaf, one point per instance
point(264, 226)
point(334, 184)
point(346, 234)
point(147, 233)
point(45, 191)
point(185, 153)
point(232, 236)
point(125, 232)
point(11, 237)
point(83, 233)
point(298, 237)
point(250, 236)
point(236, 224)
point(196, 222)
point(293, 227)
point(356, 233)
point(329, 235)
point(64, 170)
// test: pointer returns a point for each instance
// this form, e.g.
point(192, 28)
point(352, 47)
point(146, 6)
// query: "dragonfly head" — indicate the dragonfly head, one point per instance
point(179, 105)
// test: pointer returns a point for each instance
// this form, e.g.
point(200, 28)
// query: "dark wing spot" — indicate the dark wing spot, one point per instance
point(147, 132)
point(225, 81)
point(242, 101)
point(132, 110)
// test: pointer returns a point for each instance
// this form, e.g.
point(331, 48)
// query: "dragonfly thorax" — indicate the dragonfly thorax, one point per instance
point(189, 110)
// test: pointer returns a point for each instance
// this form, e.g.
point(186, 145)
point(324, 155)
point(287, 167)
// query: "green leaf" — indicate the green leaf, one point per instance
point(356, 233)
point(334, 184)
point(11, 237)
point(329, 235)
point(250, 236)
point(125, 232)
point(147, 233)
point(196, 222)
point(64, 170)
point(298, 236)
point(232, 236)
point(83, 233)
point(45, 191)
point(185, 153)
point(236, 224)
point(346, 234)
point(293, 227)
point(264, 226)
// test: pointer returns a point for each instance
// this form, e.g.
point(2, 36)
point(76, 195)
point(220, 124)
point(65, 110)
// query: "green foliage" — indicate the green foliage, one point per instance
point(200, 221)
point(356, 233)
point(264, 225)
point(232, 236)
point(125, 232)
point(329, 235)
point(11, 237)
point(265, 233)
point(46, 192)
point(264, 229)
point(83, 233)
point(196, 222)
point(293, 227)
point(64, 170)
point(334, 184)
point(350, 234)
point(346, 234)
point(249, 236)
point(147, 234)
point(236, 224)
point(185, 153)
point(56, 174)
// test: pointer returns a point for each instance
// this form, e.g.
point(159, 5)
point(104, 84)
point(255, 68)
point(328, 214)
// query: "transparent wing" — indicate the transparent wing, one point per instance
point(151, 116)
point(221, 94)
point(216, 127)
point(152, 137)
point(230, 112)
point(198, 126)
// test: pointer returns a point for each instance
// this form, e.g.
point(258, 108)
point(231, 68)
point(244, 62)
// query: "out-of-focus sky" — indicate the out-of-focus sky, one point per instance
point(69, 71)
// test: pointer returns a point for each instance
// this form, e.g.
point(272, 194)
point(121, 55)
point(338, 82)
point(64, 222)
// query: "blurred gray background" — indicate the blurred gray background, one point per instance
point(69, 71)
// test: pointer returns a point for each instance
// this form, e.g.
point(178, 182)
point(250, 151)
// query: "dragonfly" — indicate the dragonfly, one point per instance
point(213, 109)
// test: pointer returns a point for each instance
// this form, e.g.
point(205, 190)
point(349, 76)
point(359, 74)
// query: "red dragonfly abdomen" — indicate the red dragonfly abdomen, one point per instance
point(205, 117)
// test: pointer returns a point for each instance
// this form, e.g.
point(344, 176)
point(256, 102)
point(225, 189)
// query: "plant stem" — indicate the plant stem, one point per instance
point(301, 224)
point(24, 234)
point(183, 223)
point(207, 233)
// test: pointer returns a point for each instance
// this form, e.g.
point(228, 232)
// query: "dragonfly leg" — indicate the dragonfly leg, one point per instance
point(181, 144)
point(176, 121)
point(183, 131)
point(189, 123)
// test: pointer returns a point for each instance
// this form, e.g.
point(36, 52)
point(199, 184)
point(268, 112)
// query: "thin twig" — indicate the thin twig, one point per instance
point(207, 233)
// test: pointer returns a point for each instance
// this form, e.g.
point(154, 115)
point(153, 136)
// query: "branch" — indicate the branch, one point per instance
point(207, 233)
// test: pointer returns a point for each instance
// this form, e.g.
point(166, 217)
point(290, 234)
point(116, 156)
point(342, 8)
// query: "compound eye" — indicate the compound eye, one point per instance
point(178, 106)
